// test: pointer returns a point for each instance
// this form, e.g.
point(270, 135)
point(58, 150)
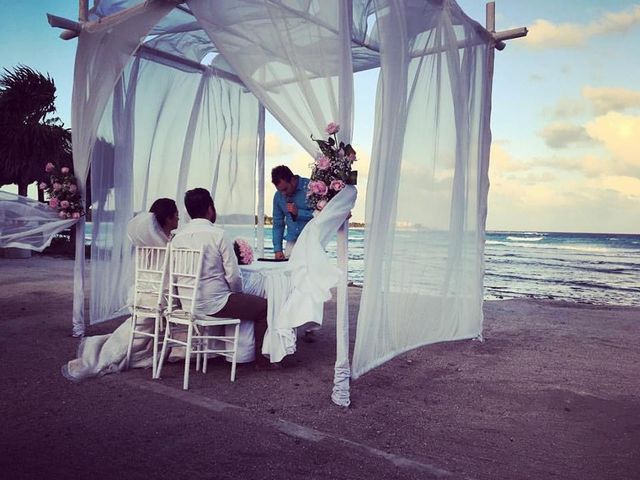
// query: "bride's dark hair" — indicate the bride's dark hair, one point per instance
point(163, 209)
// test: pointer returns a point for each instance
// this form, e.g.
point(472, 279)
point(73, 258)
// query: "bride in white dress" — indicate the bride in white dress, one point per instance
point(103, 354)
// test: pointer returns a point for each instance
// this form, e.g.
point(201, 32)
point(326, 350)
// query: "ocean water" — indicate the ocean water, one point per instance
point(580, 267)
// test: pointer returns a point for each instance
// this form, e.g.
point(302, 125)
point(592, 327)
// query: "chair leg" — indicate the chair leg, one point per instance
point(165, 342)
point(198, 347)
point(156, 334)
point(235, 353)
point(134, 318)
point(205, 355)
point(187, 357)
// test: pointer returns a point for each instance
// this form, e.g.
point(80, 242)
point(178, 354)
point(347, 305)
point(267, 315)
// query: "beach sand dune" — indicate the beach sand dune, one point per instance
point(553, 392)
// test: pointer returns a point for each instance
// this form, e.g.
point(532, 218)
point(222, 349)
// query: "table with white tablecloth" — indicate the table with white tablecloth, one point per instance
point(272, 280)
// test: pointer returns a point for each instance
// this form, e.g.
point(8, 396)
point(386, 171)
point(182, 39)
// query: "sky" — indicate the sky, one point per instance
point(565, 118)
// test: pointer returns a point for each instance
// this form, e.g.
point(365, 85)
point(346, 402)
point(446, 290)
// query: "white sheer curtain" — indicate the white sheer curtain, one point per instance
point(427, 189)
point(101, 56)
point(294, 55)
point(153, 143)
point(27, 223)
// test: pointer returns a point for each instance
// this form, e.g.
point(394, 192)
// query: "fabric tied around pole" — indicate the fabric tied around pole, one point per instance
point(341, 392)
point(313, 274)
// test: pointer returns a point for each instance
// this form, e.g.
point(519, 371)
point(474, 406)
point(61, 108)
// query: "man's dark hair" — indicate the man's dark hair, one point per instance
point(197, 202)
point(281, 172)
point(163, 209)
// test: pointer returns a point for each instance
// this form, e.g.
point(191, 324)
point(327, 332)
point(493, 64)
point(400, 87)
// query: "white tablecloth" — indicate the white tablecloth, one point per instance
point(272, 280)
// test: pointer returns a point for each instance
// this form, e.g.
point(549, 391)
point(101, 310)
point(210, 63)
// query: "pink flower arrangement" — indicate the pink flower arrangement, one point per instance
point(331, 170)
point(62, 189)
point(332, 128)
point(243, 251)
point(318, 187)
point(323, 163)
point(336, 185)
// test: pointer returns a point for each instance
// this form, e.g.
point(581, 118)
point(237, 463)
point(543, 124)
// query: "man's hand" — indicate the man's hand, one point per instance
point(292, 209)
point(279, 256)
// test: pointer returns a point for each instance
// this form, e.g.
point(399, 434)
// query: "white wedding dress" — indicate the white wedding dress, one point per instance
point(103, 354)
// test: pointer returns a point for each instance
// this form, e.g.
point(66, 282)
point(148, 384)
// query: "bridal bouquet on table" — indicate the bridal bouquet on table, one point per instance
point(62, 189)
point(331, 169)
point(243, 250)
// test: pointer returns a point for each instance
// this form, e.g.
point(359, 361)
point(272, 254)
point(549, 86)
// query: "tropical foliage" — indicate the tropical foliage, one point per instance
point(30, 134)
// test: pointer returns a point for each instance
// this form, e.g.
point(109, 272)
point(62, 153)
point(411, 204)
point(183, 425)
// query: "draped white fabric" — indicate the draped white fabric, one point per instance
point(294, 56)
point(153, 144)
point(165, 124)
point(27, 223)
point(427, 190)
point(102, 54)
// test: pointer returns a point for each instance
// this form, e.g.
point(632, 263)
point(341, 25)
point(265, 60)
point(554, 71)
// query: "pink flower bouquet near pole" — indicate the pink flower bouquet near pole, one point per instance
point(62, 190)
point(331, 169)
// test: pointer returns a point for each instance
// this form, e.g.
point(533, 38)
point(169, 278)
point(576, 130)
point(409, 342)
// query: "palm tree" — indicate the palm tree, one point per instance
point(30, 136)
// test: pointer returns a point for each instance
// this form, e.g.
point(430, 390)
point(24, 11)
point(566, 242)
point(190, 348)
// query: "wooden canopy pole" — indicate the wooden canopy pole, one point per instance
point(83, 10)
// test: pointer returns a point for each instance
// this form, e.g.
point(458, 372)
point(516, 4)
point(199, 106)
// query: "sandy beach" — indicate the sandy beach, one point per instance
point(552, 392)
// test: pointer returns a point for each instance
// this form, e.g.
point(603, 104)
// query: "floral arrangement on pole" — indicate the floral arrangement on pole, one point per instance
point(243, 251)
point(62, 189)
point(331, 169)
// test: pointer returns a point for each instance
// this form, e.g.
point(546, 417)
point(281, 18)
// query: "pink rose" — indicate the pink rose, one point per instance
point(53, 203)
point(75, 215)
point(317, 187)
point(62, 214)
point(56, 187)
point(73, 188)
point(64, 170)
point(332, 128)
point(49, 167)
point(42, 185)
point(323, 163)
point(321, 204)
point(64, 204)
point(337, 185)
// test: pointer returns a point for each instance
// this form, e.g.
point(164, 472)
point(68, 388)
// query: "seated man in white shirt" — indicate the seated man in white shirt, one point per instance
point(220, 292)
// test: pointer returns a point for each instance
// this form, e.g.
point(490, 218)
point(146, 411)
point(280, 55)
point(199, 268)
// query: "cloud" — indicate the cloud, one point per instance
point(275, 147)
point(563, 135)
point(606, 99)
point(567, 108)
point(502, 161)
point(620, 135)
point(626, 187)
point(545, 34)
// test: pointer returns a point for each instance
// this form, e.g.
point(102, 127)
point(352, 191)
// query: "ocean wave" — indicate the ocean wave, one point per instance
point(525, 239)
point(552, 246)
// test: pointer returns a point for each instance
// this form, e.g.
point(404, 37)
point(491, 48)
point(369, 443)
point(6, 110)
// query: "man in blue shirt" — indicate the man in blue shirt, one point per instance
point(290, 209)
